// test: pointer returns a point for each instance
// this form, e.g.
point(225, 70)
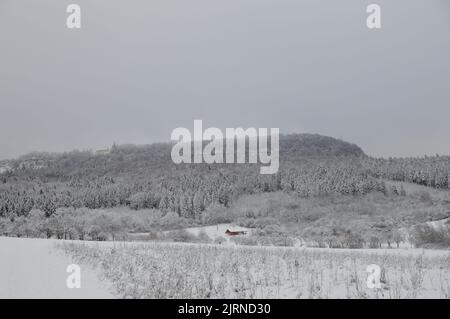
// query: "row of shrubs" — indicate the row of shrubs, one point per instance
point(85, 224)
point(427, 236)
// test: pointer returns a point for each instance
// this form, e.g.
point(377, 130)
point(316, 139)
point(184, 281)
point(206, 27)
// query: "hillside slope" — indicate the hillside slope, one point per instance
point(144, 177)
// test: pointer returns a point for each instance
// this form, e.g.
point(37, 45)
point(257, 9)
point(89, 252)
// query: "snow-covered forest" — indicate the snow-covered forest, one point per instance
point(327, 192)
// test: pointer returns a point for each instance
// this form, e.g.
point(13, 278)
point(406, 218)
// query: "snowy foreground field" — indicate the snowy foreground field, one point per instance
point(37, 268)
point(164, 270)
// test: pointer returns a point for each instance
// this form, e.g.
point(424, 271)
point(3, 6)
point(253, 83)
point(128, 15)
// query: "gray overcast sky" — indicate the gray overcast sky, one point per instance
point(139, 68)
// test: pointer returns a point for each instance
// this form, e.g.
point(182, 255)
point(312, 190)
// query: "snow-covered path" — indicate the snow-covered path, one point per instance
point(34, 268)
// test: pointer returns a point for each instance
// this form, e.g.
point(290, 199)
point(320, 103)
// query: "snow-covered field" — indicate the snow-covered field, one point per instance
point(218, 231)
point(178, 270)
point(215, 231)
point(36, 268)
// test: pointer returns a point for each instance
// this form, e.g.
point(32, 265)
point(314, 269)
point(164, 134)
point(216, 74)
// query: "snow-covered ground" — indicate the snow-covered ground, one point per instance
point(439, 224)
point(4, 169)
point(34, 268)
point(216, 231)
point(192, 270)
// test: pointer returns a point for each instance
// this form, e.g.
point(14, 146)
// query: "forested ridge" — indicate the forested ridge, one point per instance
point(145, 177)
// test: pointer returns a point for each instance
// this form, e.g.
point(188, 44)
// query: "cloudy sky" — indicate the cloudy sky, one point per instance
point(138, 69)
